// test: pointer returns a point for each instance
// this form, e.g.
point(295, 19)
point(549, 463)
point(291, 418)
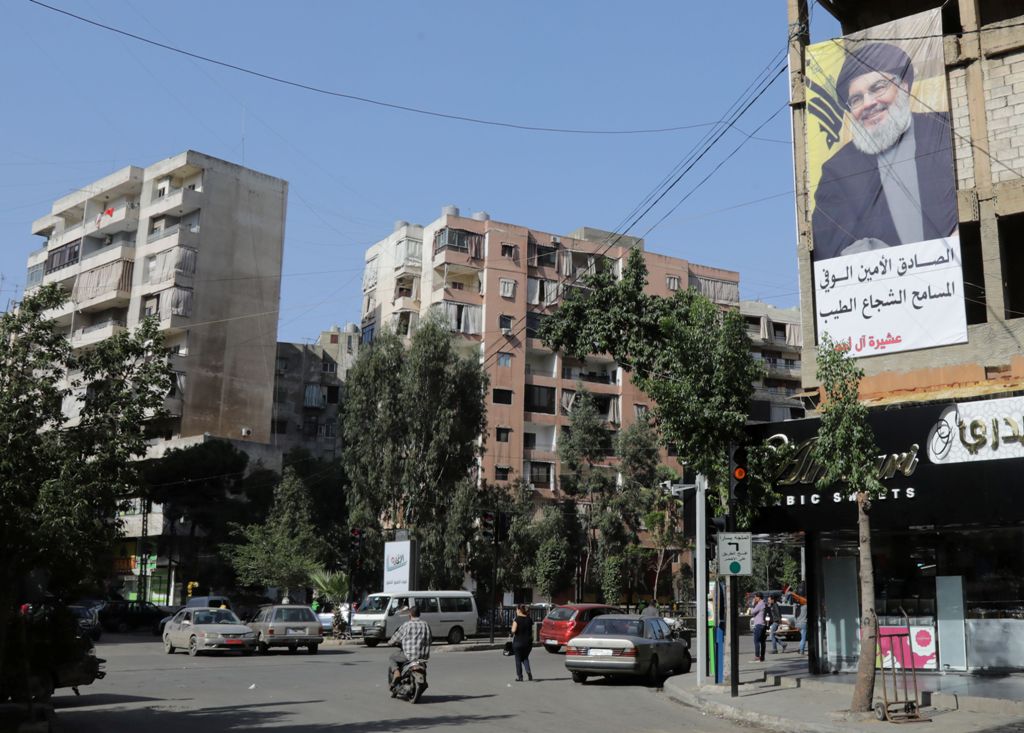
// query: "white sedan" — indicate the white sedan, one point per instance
point(208, 629)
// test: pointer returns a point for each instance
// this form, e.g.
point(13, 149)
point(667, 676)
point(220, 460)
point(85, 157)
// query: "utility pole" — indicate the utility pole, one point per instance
point(702, 580)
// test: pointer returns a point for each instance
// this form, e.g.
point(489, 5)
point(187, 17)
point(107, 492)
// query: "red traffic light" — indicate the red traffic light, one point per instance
point(739, 473)
point(356, 533)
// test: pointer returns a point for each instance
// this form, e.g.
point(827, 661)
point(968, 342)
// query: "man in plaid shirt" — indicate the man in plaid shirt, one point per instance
point(414, 638)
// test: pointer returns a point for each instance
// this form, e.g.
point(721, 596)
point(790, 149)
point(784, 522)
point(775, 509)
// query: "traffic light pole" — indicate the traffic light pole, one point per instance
point(494, 584)
point(734, 632)
point(702, 581)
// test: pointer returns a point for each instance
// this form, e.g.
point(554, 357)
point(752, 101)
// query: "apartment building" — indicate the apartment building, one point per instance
point(776, 337)
point(495, 283)
point(910, 258)
point(309, 380)
point(197, 243)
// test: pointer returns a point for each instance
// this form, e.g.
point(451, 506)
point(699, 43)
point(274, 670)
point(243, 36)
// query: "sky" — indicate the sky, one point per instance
point(81, 102)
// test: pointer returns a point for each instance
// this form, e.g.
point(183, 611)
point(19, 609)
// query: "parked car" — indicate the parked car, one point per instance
point(130, 615)
point(88, 621)
point(563, 623)
point(209, 602)
point(451, 614)
point(621, 644)
point(208, 629)
point(288, 626)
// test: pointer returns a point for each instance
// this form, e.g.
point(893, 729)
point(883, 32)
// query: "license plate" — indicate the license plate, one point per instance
point(296, 631)
point(357, 629)
point(600, 652)
point(234, 641)
point(552, 642)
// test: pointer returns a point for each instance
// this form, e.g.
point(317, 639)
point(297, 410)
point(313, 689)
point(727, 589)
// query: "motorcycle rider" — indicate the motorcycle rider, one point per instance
point(414, 638)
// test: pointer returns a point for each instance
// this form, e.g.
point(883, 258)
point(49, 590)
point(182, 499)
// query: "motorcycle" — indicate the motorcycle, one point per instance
point(412, 681)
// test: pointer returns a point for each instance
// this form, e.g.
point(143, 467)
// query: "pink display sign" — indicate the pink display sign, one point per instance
point(923, 652)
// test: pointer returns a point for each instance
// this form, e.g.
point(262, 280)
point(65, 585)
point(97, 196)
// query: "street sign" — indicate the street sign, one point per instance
point(734, 555)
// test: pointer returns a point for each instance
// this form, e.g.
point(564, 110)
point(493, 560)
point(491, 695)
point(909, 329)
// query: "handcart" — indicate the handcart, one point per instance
point(898, 708)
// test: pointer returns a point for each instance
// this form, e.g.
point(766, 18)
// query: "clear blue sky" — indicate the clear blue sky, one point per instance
point(80, 102)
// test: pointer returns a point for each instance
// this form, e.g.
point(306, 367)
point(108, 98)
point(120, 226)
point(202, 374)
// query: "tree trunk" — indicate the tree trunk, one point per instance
point(864, 689)
point(657, 573)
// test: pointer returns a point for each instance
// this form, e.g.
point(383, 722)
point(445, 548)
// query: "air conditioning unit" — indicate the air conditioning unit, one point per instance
point(506, 332)
point(556, 240)
point(246, 432)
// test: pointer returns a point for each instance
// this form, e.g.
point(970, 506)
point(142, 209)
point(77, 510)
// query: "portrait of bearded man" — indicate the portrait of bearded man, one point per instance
point(893, 183)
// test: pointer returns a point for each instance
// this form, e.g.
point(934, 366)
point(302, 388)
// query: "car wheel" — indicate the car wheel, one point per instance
point(193, 646)
point(261, 646)
point(455, 636)
point(579, 678)
point(684, 668)
point(122, 626)
point(168, 646)
point(312, 648)
point(371, 642)
point(293, 649)
point(551, 649)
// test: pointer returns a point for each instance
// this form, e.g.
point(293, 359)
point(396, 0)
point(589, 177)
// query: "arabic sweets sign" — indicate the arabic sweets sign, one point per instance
point(886, 255)
point(986, 430)
point(893, 300)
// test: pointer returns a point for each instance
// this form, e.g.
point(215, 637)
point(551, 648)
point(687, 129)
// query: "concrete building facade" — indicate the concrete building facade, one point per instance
point(495, 283)
point(197, 243)
point(776, 345)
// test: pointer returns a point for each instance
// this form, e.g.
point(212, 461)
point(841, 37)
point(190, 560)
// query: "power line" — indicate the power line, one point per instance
point(366, 100)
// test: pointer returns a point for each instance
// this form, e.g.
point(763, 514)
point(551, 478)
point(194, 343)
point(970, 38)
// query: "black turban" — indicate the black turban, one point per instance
point(863, 59)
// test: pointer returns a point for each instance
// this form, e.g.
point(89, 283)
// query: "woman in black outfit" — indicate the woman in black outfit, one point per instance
point(522, 642)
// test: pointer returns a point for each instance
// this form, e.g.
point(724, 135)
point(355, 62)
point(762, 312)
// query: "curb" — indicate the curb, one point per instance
point(733, 712)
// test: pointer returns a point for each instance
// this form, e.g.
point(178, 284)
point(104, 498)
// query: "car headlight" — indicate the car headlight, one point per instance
point(379, 624)
point(249, 635)
point(210, 635)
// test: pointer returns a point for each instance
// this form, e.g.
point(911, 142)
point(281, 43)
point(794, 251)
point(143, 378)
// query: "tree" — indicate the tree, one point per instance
point(411, 430)
point(691, 357)
point(284, 551)
point(326, 482)
point(550, 569)
point(846, 448)
point(73, 426)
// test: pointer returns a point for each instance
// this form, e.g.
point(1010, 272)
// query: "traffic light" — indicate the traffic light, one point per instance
point(504, 524)
point(192, 585)
point(487, 520)
point(356, 543)
point(739, 475)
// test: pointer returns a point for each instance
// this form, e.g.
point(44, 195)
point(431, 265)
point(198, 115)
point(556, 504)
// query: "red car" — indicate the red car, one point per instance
point(566, 622)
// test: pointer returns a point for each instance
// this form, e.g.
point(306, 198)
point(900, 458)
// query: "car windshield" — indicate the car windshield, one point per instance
point(562, 614)
point(614, 627)
point(375, 604)
point(295, 614)
point(217, 616)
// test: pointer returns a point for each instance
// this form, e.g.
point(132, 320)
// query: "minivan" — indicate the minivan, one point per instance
point(450, 613)
point(208, 602)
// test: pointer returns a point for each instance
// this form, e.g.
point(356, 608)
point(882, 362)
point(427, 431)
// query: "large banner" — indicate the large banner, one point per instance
point(399, 566)
point(887, 267)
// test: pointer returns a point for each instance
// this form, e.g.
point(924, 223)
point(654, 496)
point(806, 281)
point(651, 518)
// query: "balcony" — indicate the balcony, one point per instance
point(778, 394)
point(781, 369)
point(122, 219)
point(592, 377)
point(97, 332)
point(177, 202)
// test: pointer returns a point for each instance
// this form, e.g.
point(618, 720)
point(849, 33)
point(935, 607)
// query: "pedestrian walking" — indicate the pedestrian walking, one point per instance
point(522, 642)
point(773, 616)
point(650, 611)
point(757, 614)
point(801, 623)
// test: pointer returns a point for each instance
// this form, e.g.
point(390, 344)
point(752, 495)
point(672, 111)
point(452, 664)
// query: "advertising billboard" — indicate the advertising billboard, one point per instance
point(399, 566)
point(886, 246)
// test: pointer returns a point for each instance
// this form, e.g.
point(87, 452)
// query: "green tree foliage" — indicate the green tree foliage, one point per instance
point(331, 585)
point(772, 567)
point(64, 478)
point(685, 352)
point(411, 427)
point(284, 551)
point(326, 482)
point(847, 450)
point(551, 569)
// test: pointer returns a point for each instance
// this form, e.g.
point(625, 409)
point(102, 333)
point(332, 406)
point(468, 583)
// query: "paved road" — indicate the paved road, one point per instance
point(343, 689)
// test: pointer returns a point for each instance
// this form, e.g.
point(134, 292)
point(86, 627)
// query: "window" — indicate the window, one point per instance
point(456, 285)
point(279, 427)
point(367, 335)
point(502, 434)
point(63, 256)
point(529, 440)
point(310, 426)
point(35, 276)
point(329, 367)
point(501, 473)
point(151, 306)
point(282, 364)
point(508, 288)
point(639, 410)
point(334, 338)
point(502, 397)
point(541, 255)
point(540, 475)
point(534, 322)
point(508, 250)
point(505, 322)
point(672, 281)
point(540, 399)
point(333, 394)
point(504, 359)
point(330, 429)
point(456, 605)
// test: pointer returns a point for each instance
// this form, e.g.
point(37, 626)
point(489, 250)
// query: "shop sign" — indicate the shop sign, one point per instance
point(985, 430)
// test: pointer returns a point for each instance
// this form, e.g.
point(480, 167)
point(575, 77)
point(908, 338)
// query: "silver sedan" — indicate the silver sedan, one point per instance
point(208, 629)
point(619, 644)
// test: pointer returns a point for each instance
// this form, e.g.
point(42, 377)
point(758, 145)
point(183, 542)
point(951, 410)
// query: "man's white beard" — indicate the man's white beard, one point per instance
point(884, 135)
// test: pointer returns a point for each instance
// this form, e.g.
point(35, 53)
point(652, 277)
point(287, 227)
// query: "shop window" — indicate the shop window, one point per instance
point(502, 434)
point(1011, 229)
point(502, 397)
point(974, 273)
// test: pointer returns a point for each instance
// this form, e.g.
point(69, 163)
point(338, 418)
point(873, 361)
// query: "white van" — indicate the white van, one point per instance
point(450, 613)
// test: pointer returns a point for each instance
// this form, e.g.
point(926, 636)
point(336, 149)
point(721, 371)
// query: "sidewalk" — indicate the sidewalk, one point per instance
point(781, 695)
